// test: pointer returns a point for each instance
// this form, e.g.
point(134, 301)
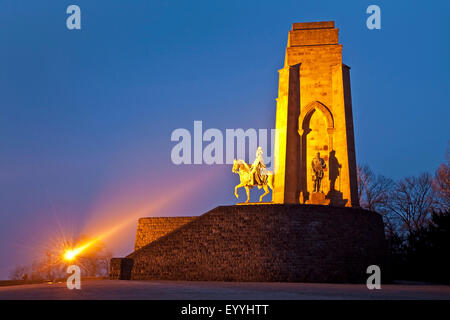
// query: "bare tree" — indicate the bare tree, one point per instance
point(441, 186)
point(364, 174)
point(95, 260)
point(373, 190)
point(412, 201)
point(19, 273)
point(39, 270)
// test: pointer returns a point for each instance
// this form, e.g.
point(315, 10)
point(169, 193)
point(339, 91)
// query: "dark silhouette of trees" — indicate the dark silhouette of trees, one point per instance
point(373, 190)
point(441, 185)
point(423, 256)
point(417, 221)
point(411, 202)
point(19, 273)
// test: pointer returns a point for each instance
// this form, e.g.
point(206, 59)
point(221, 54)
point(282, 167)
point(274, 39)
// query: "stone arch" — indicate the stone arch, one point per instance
point(316, 105)
point(305, 130)
point(306, 114)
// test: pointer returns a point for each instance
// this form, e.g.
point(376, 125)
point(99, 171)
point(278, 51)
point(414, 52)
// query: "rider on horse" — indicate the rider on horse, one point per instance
point(254, 175)
point(258, 169)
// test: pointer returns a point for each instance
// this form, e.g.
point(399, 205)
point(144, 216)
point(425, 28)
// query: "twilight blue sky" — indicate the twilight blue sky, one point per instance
point(86, 115)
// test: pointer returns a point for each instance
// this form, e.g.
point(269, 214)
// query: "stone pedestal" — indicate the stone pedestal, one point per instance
point(318, 198)
point(271, 242)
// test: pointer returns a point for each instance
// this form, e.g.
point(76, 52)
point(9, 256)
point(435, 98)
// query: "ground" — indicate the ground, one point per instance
point(198, 290)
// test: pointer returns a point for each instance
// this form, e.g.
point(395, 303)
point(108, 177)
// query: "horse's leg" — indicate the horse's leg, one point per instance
point(236, 189)
point(266, 191)
point(248, 194)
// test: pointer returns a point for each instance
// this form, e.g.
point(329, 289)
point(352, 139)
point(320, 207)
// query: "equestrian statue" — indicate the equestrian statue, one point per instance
point(254, 175)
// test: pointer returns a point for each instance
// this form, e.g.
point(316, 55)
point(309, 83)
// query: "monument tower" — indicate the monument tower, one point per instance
point(314, 115)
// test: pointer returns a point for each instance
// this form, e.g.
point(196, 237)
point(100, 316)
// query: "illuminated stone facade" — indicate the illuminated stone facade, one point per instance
point(153, 228)
point(314, 114)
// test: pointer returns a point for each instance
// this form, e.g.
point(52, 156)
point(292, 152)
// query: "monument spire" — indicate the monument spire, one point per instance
point(314, 115)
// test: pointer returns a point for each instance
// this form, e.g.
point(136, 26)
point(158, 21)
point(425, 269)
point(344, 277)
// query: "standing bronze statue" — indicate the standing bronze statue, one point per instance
point(317, 165)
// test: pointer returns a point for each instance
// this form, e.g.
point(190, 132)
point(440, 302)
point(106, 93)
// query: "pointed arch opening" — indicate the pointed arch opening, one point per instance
point(316, 130)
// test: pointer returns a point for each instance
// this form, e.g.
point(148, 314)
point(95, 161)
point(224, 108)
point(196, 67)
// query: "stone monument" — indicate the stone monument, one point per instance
point(314, 230)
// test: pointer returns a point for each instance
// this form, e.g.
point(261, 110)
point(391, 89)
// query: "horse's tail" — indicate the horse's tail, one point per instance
point(270, 179)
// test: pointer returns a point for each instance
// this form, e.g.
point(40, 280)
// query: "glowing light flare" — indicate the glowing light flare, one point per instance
point(168, 197)
point(71, 254)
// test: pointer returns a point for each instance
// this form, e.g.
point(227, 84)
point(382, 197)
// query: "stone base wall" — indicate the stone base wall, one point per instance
point(272, 242)
point(150, 229)
point(120, 268)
